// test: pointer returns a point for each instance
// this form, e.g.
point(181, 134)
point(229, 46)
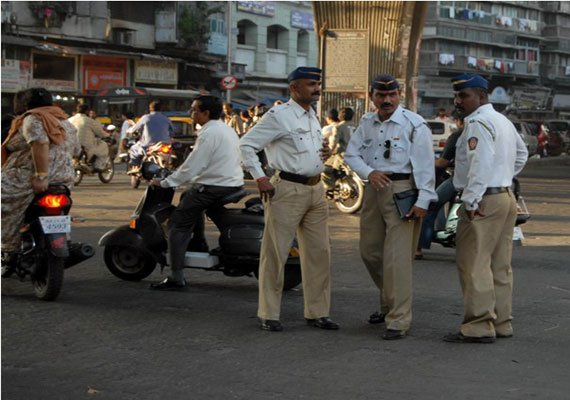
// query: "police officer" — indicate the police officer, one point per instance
point(294, 200)
point(489, 153)
point(392, 149)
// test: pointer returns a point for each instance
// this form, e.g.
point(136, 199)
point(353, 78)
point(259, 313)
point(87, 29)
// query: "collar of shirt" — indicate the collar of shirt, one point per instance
point(482, 109)
point(300, 111)
point(396, 117)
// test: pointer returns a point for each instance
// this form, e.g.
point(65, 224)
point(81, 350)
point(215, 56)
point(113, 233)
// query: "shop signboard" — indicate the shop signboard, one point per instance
point(15, 75)
point(301, 20)
point(96, 79)
point(265, 8)
point(346, 61)
point(148, 71)
point(55, 85)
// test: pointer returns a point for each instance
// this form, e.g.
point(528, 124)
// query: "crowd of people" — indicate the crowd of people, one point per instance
point(391, 150)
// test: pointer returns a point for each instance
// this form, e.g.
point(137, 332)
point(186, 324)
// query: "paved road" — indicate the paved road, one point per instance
point(109, 339)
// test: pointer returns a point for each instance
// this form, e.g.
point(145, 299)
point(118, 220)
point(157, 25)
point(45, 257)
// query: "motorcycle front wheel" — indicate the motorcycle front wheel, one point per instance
point(78, 176)
point(107, 174)
point(350, 194)
point(128, 263)
point(48, 277)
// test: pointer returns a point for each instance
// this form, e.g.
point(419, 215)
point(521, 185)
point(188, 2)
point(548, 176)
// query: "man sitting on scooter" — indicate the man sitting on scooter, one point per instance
point(156, 128)
point(212, 171)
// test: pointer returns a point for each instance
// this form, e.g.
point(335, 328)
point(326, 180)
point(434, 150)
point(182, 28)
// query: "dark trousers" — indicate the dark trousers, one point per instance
point(188, 214)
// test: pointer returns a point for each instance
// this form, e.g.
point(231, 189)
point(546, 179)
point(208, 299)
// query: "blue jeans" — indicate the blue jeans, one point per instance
point(445, 193)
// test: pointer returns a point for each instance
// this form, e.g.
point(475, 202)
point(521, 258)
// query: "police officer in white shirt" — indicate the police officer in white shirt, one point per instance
point(212, 170)
point(294, 200)
point(489, 154)
point(392, 149)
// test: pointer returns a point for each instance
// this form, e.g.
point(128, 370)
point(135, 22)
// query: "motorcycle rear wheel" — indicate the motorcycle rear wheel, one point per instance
point(351, 194)
point(128, 263)
point(48, 278)
point(107, 174)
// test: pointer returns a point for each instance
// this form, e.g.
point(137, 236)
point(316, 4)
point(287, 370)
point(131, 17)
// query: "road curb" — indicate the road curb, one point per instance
point(563, 159)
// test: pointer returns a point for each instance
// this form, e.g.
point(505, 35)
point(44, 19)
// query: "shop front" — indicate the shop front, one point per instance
point(58, 74)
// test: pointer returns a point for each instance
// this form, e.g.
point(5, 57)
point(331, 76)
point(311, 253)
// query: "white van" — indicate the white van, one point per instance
point(440, 131)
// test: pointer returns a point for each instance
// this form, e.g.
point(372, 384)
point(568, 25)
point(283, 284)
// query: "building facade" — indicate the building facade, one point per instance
point(521, 47)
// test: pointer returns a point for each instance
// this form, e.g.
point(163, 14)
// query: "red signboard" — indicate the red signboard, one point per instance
point(96, 79)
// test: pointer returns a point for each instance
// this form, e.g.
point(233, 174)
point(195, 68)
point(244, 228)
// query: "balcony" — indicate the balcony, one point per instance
point(493, 66)
point(519, 25)
point(558, 45)
point(556, 31)
point(555, 72)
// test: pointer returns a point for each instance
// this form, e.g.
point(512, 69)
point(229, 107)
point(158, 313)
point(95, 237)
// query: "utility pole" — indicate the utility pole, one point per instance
point(229, 33)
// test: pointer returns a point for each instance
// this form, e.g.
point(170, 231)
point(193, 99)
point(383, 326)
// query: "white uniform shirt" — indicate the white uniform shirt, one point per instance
point(214, 161)
point(291, 137)
point(368, 144)
point(489, 153)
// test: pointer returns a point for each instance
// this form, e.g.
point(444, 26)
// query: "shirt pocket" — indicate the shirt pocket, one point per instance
point(367, 150)
point(399, 151)
point(301, 140)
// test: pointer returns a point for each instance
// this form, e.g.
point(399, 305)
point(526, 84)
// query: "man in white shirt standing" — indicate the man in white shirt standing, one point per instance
point(392, 149)
point(212, 170)
point(489, 154)
point(294, 200)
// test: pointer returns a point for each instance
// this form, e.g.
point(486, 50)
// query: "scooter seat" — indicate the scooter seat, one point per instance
point(233, 197)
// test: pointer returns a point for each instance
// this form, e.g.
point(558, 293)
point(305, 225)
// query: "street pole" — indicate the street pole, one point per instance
point(229, 33)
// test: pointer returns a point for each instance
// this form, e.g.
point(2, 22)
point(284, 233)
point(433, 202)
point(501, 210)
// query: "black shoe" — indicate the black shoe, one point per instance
point(168, 284)
point(503, 336)
point(272, 325)
point(460, 338)
point(393, 334)
point(323, 323)
point(376, 318)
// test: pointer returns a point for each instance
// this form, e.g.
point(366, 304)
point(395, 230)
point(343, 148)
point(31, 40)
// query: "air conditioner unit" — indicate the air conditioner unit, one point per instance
point(126, 38)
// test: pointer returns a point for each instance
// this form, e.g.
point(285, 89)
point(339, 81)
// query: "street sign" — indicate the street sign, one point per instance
point(229, 82)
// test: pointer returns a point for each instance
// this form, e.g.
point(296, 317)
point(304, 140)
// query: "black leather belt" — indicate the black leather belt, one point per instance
point(399, 177)
point(496, 190)
point(305, 180)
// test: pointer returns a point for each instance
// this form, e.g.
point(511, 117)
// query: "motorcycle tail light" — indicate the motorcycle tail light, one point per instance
point(165, 148)
point(53, 203)
point(133, 223)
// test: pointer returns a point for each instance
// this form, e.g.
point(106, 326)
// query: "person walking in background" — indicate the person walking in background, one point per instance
point(294, 200)
point(128, 121)
point(331, 120)
point(246, 121)
point(490, 152)
point(156, 128)
point(442, 116)
point(232, 120)
point(338, 141)
point(392, 149)
point(90, 132)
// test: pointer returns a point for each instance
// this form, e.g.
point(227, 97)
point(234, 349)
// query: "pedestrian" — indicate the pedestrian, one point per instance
point(442, 116)
point(232, 120)
point(90, 134)
point(293, 199)
point(246, 120)
point(212, 170)
point(444, 188)
point(156, 128)
point(338, 140)
point(331, 120)
point(490, 152)
point(128, 120)
point(392, 149)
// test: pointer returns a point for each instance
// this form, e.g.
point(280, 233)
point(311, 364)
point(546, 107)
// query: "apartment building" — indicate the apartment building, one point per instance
point(521, 47)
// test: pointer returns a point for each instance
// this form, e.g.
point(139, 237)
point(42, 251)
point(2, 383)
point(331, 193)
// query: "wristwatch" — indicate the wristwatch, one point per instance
point(41, 176)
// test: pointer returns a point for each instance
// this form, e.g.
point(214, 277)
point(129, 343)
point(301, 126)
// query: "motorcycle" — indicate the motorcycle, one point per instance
point(346, 188)
point(160, 154)
point(83, 166)
point(445, 235)
point(46, 250)
point(132, 251)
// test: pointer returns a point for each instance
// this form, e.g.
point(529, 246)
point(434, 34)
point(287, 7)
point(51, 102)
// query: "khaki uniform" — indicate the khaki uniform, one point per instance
point(489, 153)
point(291, 138)
point(400, 145)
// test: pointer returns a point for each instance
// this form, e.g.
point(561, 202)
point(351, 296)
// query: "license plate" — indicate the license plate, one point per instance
point(59, 224)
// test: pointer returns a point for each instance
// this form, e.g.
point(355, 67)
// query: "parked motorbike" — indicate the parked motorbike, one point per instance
point(132, 251)
point(160, 154)
point(84, 166)
point(46, 250)
point(445, 235)
point(347, 189)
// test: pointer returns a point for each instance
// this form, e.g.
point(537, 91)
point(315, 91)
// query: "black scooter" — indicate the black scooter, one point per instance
point(46, 249)
point(133, 251)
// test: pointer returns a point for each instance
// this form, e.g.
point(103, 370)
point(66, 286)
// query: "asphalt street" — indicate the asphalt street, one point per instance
point(105, 338)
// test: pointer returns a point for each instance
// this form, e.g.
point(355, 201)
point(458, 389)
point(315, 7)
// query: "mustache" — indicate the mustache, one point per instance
point(386, 105)
point(317, 93)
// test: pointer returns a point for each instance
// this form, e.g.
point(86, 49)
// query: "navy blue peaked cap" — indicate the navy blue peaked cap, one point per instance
point(385, 82)
point(305, 73)
point(465, 81)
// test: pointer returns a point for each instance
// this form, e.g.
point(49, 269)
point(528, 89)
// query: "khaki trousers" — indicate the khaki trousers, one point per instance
point(101, 151)
point(300, 209)
point(387, 246)
point(484, 252)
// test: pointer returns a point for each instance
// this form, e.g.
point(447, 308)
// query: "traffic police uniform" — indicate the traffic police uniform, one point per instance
point(489, 154)
point(402, 146)
point(292, 140)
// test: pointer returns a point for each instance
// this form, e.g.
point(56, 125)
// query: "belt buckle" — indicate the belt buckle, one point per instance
point(313, 180)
